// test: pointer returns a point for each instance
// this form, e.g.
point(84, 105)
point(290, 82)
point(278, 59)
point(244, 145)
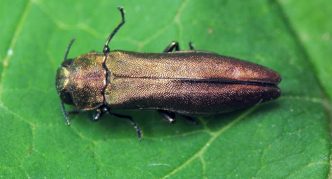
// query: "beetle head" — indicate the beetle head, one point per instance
point(81, 81)
point(62, 83)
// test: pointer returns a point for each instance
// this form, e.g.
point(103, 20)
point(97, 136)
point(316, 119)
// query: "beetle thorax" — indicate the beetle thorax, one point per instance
point(81, 81)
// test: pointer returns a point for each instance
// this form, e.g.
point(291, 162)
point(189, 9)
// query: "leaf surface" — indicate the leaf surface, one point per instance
point(288, 137)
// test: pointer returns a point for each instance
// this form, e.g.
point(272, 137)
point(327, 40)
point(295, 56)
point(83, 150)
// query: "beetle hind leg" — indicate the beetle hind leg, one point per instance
point(167, 115)
point(190, 119)
point(171, 116)
point(191, 46)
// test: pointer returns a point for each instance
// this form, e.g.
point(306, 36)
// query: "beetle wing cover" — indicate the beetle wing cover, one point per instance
point(186, 82)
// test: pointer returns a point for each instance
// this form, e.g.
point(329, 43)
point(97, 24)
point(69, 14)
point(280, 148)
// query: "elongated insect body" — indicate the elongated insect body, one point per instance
point(186, 82)
point(173, 82)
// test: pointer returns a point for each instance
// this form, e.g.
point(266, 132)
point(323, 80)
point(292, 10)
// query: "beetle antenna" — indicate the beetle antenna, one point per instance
point(68, 48)
point(106, 47)
point(65, 113)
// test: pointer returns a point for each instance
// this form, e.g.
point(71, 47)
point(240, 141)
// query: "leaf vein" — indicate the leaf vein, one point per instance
point(215, 135)
point(12, 44)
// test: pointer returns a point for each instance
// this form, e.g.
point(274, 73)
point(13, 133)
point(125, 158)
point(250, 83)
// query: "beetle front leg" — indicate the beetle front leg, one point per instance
point(106, 48)
point(99, 112)
point(105, 109)
point(132, 122)
point(173, 46)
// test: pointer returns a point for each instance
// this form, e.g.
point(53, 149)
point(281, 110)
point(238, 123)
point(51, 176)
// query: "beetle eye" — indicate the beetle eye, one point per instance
point(67, 63)
point(66, 97)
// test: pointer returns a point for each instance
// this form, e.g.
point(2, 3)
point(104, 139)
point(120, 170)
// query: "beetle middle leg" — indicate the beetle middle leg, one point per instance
point(104, 109)
point(173, 46)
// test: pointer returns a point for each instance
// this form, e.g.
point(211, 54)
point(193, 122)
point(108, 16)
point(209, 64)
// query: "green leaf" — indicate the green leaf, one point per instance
point(288, 137)
point(313, 32)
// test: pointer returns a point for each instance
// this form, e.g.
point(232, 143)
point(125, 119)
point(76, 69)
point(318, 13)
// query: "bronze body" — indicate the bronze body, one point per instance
point(173, 82)
point(189, 82)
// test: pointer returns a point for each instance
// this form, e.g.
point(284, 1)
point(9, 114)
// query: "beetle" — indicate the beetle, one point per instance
point(173, 82)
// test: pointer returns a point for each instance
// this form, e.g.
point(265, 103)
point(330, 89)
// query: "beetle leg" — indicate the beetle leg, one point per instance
point(132, 122)
point(167, 115)
point(173, 46)
point(96, 116)
point(106, 48)
point(191, 46)
point(67, 113)
point(190, 119)
point(99, 112)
